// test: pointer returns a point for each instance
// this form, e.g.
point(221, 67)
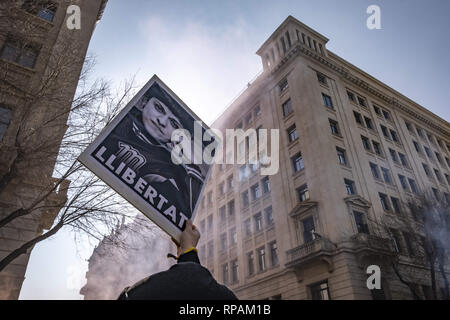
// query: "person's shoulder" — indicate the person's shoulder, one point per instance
point(130, 291)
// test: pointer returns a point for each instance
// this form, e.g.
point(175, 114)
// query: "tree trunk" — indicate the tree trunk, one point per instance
point(9, 176)
point(24, 248)
point(432, 261)
point(13, 215)
point(411, 288)
point(441, 262)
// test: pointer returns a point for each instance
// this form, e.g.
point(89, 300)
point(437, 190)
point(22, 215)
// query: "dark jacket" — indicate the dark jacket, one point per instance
point(186, 280)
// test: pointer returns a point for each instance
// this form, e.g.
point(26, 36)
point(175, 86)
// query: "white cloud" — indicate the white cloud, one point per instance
point(205, 66)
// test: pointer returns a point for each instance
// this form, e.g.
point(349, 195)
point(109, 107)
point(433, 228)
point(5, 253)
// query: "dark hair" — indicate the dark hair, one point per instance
point(186, 120)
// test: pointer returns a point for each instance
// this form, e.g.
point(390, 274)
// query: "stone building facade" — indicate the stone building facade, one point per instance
point(41, 59)
point(352, 153)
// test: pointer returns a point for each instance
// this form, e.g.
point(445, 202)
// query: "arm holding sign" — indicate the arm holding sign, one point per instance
point(186, 280)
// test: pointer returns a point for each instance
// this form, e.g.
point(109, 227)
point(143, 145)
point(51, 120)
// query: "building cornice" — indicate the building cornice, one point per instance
point(346, 74)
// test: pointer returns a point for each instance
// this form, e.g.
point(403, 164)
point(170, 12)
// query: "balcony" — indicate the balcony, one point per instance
point(317, 249)
point(371, 249)
point(363, 241)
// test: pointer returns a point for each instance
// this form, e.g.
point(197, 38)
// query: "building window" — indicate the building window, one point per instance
point(377, 148)
point(322, 79)
point(248, 119)
point(231, 208)
point(386, 115)
point(413, 186)
point(426, 169)
point(436, 193)
point(385, 131)
point(297, 162)
point(409, 126)
point(273, 253)
point(251, 263)
point(288, 37)
point(222, 214)
point(266, 184)
point(377, 110)
point(368, 122)
point(395, 205)
point(334, 126)
point(287, 108)
point(202, 226)
point(262, 259)
point(222, 188)
point(225, 273)
point(308, 229)
point(378, 294)
point(223, 241)
point(393, 155)
point(396, 240)
point(386, 175)
point(350, 187)
point(234, 271)
point(283, 85)
point(342, 157)
point(394, 136)
point(420, 132)
point(245, 199)
point(256, 192)
point(210, 223)
point(403, 182)
point(374, 169)
point(209, 197)
point(417, 147)
point(362, 102)
point(257, 111)
point(408, 243)
point(43, 9)
point(20, 53)
point(428, 152)
point(366, 143)
point(210, 249)
point(320, 291)
point(5, 119)
point(438, 157)
point(233, 236)
point(230, 183)
point(358, 118)
point(257, 218)
point(403, 160)
point(269, 215)
point(360, 222)
point(384, 202)
point(303, 193)
point(248, 228)
point(351, 96)
point(292, 133)
point(283, 44)
point(327, 101)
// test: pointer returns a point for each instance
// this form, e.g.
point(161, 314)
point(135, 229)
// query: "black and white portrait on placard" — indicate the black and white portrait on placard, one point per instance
point(133, 155)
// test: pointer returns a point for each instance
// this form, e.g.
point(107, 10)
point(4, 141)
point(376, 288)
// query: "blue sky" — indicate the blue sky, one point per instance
point(205, 51)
